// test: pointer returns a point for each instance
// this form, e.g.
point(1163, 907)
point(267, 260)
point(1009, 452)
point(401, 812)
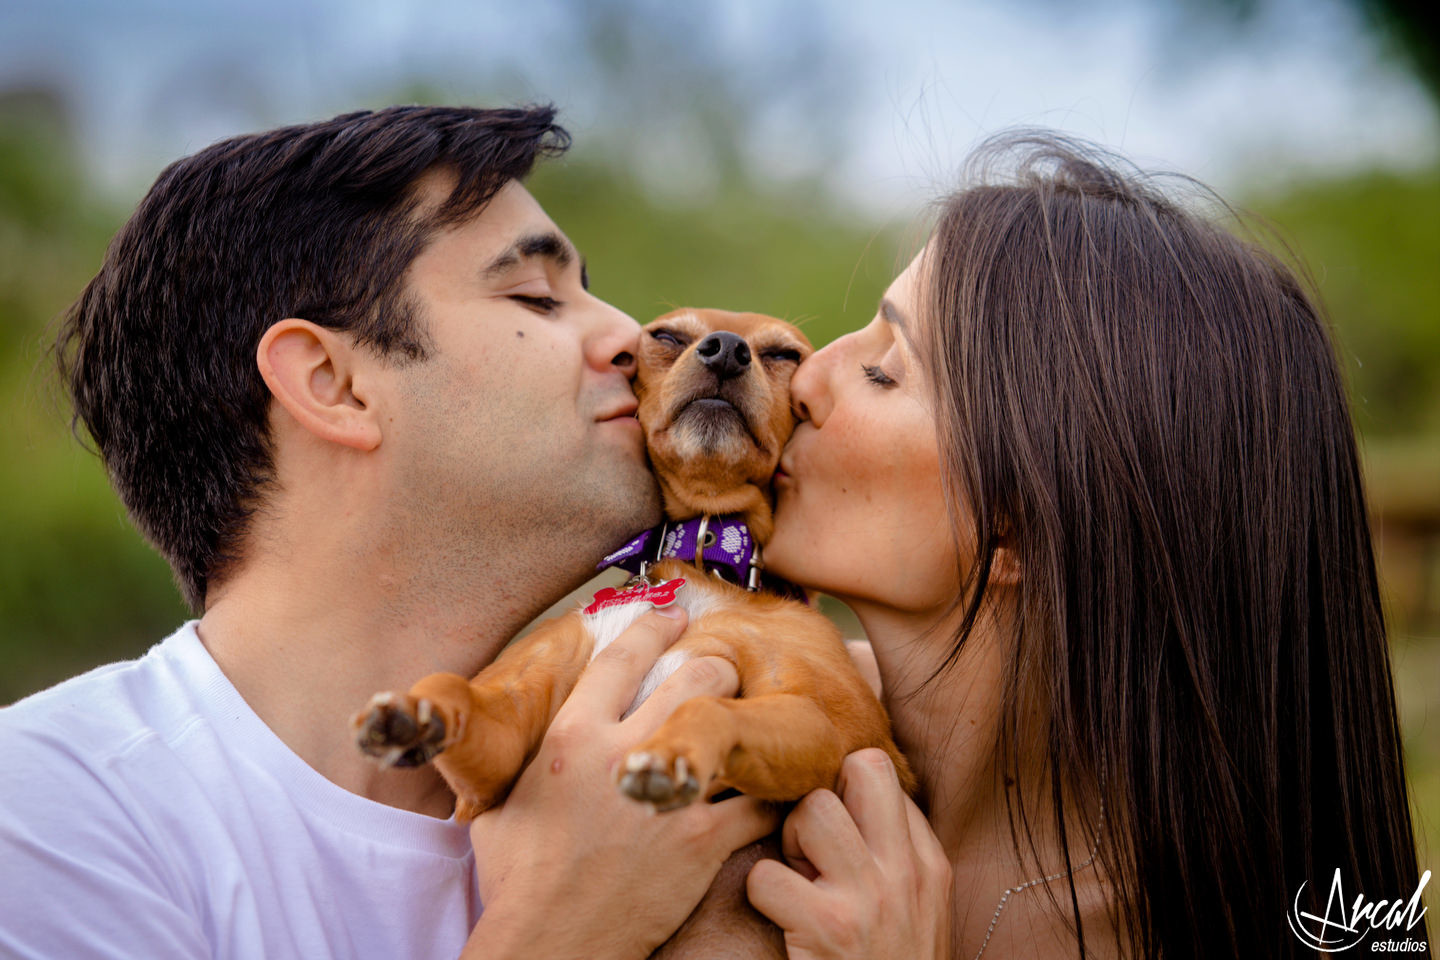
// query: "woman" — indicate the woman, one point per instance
point(1089, 482)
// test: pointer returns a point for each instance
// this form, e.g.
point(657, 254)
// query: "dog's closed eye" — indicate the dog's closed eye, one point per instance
point(670, 338)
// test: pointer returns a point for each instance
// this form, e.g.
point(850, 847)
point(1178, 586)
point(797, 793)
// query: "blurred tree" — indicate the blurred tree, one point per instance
point(1372, 242)
point(77, 584)
point(1408, 27)
point(1413, 26)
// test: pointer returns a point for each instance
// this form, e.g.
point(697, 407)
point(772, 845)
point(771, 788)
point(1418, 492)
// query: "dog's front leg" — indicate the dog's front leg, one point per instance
point(480, 733)
point(778, 746)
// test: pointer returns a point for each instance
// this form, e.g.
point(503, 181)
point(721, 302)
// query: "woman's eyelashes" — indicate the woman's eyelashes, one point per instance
point(877, 376)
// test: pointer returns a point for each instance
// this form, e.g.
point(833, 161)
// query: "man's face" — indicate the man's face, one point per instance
point(518, 429)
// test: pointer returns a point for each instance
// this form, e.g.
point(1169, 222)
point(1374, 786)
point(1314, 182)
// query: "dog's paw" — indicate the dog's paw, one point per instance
point(399, 731)
point(664, 783)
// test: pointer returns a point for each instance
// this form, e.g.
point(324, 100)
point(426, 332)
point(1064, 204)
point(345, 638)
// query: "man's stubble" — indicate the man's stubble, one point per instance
point(512, 498)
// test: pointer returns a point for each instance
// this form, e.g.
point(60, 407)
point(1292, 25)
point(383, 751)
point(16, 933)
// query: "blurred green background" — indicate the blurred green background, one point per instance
point(755, 229)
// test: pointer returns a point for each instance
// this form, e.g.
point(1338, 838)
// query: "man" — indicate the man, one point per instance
point(348, 379)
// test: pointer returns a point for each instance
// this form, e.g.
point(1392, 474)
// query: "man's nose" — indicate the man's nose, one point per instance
point(724, 354)
point(612, 340)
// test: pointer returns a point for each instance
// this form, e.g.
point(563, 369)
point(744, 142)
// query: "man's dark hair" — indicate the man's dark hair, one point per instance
point(316, 221)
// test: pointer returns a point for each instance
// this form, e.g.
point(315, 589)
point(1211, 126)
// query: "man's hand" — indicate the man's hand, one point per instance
point(570, 867)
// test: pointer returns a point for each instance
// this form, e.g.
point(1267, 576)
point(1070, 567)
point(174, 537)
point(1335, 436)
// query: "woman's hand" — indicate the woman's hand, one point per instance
point(867, 875)
point(569, 866)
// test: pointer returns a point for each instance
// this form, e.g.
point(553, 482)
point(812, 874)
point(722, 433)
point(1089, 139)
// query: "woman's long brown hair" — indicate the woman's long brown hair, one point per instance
point(1148, 411)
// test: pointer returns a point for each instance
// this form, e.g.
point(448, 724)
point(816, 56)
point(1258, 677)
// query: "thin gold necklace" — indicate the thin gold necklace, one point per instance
point(1005, 897)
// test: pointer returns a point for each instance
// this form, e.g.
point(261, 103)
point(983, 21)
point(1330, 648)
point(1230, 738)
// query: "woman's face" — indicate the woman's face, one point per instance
point(859, 509)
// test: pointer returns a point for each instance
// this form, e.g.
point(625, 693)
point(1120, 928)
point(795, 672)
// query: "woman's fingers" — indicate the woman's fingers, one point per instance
point(701, 677)
point(821, 833)
point(932, 855)
point(867, 822)
point(788, 899)
point(742, 820)
point(607, 686)
point(884, 882)
point(872, 794)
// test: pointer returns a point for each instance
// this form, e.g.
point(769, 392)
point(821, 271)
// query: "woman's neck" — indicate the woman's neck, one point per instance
point(947, 720)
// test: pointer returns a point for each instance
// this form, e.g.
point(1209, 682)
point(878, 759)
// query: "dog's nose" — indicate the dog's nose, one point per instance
point(724, 354)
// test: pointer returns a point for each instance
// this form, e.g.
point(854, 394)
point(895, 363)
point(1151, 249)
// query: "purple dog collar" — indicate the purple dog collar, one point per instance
point(711, 543)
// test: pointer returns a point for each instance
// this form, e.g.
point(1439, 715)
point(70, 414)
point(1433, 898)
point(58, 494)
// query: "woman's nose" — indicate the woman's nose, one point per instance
point(810, 386)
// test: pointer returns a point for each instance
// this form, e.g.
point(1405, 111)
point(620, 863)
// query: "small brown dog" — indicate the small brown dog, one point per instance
point(714, 394)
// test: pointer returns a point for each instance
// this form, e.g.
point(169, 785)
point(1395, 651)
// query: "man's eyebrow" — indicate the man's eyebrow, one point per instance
point(549, 245)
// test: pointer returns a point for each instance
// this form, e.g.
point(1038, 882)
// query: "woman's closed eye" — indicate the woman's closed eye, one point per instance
point(877, 376)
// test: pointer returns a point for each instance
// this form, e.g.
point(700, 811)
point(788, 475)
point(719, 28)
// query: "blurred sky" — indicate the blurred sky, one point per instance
point(880, 99)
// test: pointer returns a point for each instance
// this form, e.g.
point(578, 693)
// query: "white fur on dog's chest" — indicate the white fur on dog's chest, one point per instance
point(607, 624)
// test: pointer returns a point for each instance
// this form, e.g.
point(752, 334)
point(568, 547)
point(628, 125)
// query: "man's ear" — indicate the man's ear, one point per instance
point(313, 373)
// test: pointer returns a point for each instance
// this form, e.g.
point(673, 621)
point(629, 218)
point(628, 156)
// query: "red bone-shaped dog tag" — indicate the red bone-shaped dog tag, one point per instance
point(659, 595)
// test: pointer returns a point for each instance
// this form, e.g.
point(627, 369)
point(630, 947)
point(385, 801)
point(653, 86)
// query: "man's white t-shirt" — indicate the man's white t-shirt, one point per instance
point(147, 812)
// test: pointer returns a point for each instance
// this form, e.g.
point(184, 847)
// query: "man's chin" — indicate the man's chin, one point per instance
point(627, 503)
